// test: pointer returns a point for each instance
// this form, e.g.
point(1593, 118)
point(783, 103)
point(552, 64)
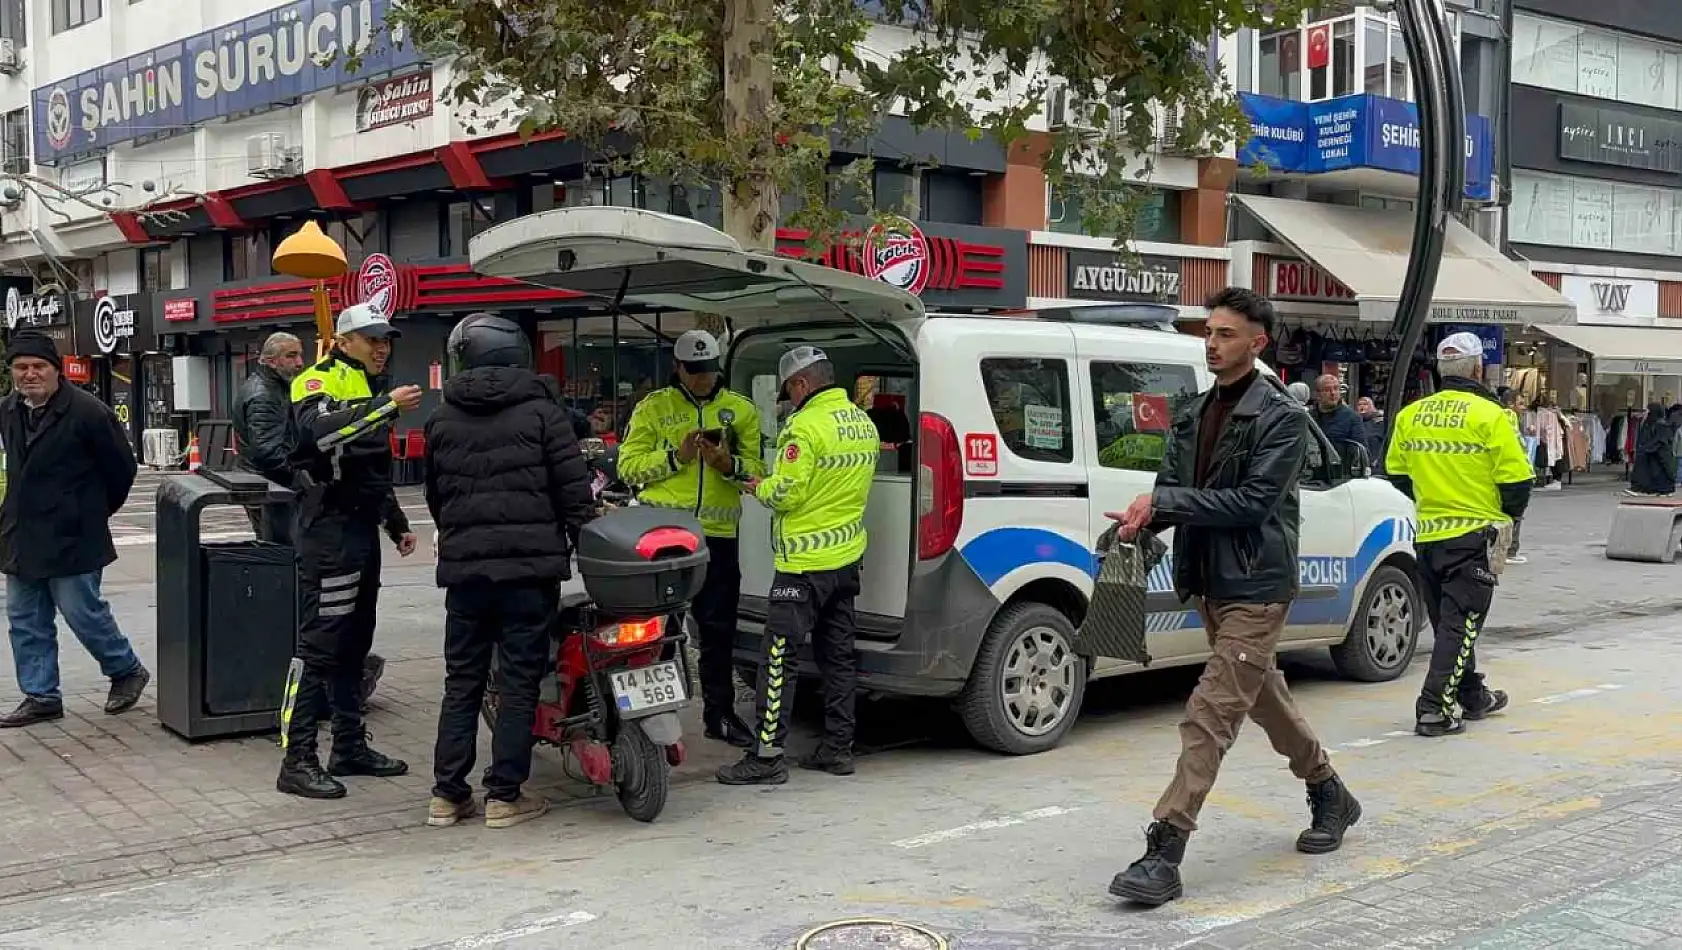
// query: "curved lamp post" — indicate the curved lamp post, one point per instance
point(312, 255)
point(1442, 172)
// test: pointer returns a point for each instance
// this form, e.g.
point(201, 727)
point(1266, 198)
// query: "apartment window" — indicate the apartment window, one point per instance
point(1593, 62)
point(463, 220)
point(1157, 220)
point(359, 236)
point(13, 26)
point(246, 255)
point(952, 197)
point(1598, 215)
point(69, 14)
point(14, 142)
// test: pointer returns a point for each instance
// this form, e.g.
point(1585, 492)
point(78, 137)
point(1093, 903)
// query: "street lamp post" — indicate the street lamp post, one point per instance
point(1442, 172)
point(312, 255)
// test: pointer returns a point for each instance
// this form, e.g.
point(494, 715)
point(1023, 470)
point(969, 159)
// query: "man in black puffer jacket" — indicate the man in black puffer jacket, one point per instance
point(508, 490)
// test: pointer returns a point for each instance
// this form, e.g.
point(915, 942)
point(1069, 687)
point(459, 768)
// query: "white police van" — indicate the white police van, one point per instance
point(1005, 441)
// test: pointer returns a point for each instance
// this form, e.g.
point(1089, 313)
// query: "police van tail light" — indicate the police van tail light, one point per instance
point(940, 486)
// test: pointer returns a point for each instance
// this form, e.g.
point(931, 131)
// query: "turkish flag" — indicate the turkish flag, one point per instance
point(1150, 413)
point(1319, 46)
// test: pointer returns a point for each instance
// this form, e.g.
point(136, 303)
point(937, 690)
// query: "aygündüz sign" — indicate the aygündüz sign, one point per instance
point(1101, 275)
point(262, 60)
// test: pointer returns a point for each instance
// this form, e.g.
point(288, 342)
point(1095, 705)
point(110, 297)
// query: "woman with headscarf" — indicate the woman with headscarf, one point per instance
point(1300, 392)
point(1654, 472)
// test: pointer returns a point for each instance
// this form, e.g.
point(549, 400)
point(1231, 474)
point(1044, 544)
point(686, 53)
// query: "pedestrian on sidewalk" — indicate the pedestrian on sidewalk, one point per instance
point(342, 473)
point(1654, 472)
point(1514, 401)
point(69, 468)
point(508, 490)
point(1228, 486)
point(1457, 455)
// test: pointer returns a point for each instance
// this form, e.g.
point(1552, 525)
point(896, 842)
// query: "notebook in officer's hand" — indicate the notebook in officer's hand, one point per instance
point(1115, 621)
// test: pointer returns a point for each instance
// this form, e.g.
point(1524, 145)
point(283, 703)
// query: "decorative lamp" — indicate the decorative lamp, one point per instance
point(312, 255)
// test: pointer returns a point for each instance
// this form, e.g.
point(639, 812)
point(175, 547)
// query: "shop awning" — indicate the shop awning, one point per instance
point(1626, 351)
point(1368, 252)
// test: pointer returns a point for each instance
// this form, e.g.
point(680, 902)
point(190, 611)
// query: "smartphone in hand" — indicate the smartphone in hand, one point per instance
point(713, 436)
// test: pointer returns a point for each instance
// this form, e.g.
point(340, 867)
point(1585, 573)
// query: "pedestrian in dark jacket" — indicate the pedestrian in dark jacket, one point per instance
point(1654, 472)
point(263, 425)
point(1228, 486)
point(1334, 417)
point(508, 490)
point(69, 468)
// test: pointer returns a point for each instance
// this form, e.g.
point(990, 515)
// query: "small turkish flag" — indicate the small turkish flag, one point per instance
point(1150, 412)
point(1319, 46)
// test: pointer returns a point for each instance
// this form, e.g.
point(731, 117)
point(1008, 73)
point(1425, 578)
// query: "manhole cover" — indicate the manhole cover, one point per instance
point(871, 935)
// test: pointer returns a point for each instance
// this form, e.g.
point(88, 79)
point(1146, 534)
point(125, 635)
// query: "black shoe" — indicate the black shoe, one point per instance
point(753, 770)
point(356, 758)
point(372, 669)
point(1488, 704)
point(304, 778)
point(1334, 811)
point(125, 692)
point(30, 712)
point(1435, 725)
point(1154, 879)
point(836, 760)
point(729, 728)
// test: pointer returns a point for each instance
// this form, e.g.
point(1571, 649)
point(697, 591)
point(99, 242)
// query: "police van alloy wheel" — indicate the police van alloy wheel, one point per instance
point(1385, 630)
point(1027, 684)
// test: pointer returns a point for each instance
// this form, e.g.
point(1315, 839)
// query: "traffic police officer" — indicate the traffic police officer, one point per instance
point(690, 446)
point(342, 471)
point(1458, 456)
point(820, 482)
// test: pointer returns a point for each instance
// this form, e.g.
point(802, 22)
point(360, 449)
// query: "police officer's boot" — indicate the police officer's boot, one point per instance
point(301, 773)
point(1437, 723)
point(1154, 879)
point(352, 755)
point(1333, 812)
point(1482, 703)
point(829, 757)
point(753, 770)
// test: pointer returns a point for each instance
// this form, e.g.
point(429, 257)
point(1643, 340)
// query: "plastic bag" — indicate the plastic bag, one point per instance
point(1114, 626)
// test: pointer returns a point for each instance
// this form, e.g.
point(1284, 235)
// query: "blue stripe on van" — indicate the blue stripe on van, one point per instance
point(994, 554)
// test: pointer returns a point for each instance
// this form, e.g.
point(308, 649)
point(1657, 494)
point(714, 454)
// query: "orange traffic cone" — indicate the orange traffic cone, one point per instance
point(193, 460)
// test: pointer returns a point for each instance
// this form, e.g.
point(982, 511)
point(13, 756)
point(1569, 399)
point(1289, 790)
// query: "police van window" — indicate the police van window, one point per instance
point(1133, 405)
point(1030, 403)
point(1314, 472)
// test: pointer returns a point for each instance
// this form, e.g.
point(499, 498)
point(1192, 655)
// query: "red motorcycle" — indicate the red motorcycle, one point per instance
point(620, 674)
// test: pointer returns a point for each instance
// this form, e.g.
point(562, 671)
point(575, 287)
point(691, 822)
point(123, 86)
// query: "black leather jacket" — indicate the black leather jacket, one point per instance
point(1236, 537)
point(263, 424)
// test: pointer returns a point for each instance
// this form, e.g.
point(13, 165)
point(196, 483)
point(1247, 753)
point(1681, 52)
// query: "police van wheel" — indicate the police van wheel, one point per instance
point(1385, 630)
point(1027, 684)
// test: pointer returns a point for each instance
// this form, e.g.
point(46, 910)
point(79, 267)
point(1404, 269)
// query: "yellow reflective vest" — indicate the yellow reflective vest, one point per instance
point(1457, 446)
point(648, 455)
point(819, 484)
point(344, 438)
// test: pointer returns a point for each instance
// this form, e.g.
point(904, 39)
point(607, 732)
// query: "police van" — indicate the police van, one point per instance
point(1005, 439)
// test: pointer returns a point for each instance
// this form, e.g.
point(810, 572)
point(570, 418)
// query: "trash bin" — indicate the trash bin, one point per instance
point(227, 612)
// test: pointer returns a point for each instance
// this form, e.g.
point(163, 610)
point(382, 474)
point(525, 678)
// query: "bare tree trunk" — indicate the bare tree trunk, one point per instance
point(751, 201)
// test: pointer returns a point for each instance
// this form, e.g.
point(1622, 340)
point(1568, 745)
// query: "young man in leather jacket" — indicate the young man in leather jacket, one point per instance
point(1228, 486)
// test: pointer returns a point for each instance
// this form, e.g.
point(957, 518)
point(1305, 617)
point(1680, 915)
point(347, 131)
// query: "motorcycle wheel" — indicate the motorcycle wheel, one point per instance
point(641, 773)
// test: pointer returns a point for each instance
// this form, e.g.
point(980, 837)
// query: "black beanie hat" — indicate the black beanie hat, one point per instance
point(31, 343)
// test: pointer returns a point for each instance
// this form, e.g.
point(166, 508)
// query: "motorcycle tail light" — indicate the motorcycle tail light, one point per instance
point(631, 633)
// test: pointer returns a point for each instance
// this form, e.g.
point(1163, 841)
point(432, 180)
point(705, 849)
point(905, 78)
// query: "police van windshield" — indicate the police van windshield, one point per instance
point(873, 373)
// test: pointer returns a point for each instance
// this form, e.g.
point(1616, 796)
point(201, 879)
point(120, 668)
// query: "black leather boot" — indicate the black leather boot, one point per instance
point(1154, 879)
point(753, 770)
point(1482, 704)
point(836, 760)
point(1333, 812)
point(352, 756)
point(302, 775)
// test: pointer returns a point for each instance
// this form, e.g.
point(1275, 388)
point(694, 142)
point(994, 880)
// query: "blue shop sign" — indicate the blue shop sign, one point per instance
point(1365, 131)
point(258, 62)
point(1490, 335)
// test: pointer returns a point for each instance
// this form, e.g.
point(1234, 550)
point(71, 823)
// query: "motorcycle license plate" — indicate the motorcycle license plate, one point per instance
point(649, 687)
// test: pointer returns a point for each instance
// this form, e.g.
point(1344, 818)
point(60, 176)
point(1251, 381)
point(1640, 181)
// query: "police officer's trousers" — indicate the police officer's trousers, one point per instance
point(817, 605)
point(715, 612)
point(339, 584)
point(1457, 585)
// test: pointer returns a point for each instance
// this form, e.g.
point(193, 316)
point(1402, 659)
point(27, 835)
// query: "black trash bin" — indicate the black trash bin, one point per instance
point(227, 612)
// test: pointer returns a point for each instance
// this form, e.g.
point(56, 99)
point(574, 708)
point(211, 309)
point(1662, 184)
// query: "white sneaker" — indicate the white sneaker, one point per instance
point(1517, 559)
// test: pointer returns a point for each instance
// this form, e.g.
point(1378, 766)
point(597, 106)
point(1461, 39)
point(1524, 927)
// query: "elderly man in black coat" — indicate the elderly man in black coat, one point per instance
point(508, 490)
point(69, 468)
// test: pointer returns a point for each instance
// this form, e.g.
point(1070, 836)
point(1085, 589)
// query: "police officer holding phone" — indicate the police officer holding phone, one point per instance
point(689, 446)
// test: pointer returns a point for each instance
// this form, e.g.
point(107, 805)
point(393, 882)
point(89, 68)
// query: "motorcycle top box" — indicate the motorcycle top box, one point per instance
point(642, 561)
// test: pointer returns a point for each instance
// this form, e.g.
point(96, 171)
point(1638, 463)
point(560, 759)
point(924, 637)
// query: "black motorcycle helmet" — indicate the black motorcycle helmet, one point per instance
point(485, 339)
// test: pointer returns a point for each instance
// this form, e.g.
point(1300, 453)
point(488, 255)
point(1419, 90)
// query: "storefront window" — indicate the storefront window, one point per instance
point(1158, 220)
point(246, 255)
point(359, 236)
point(1599, 215)
point(1554, 54)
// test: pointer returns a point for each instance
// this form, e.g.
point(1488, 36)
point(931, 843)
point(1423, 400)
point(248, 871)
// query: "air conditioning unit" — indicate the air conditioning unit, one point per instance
point(10, 62)
point(1168, 132)
point(1065, 111)
point(268, 156)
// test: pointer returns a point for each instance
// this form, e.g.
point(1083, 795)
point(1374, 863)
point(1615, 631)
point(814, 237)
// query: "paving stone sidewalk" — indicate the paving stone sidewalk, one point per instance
point(1606, 879)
